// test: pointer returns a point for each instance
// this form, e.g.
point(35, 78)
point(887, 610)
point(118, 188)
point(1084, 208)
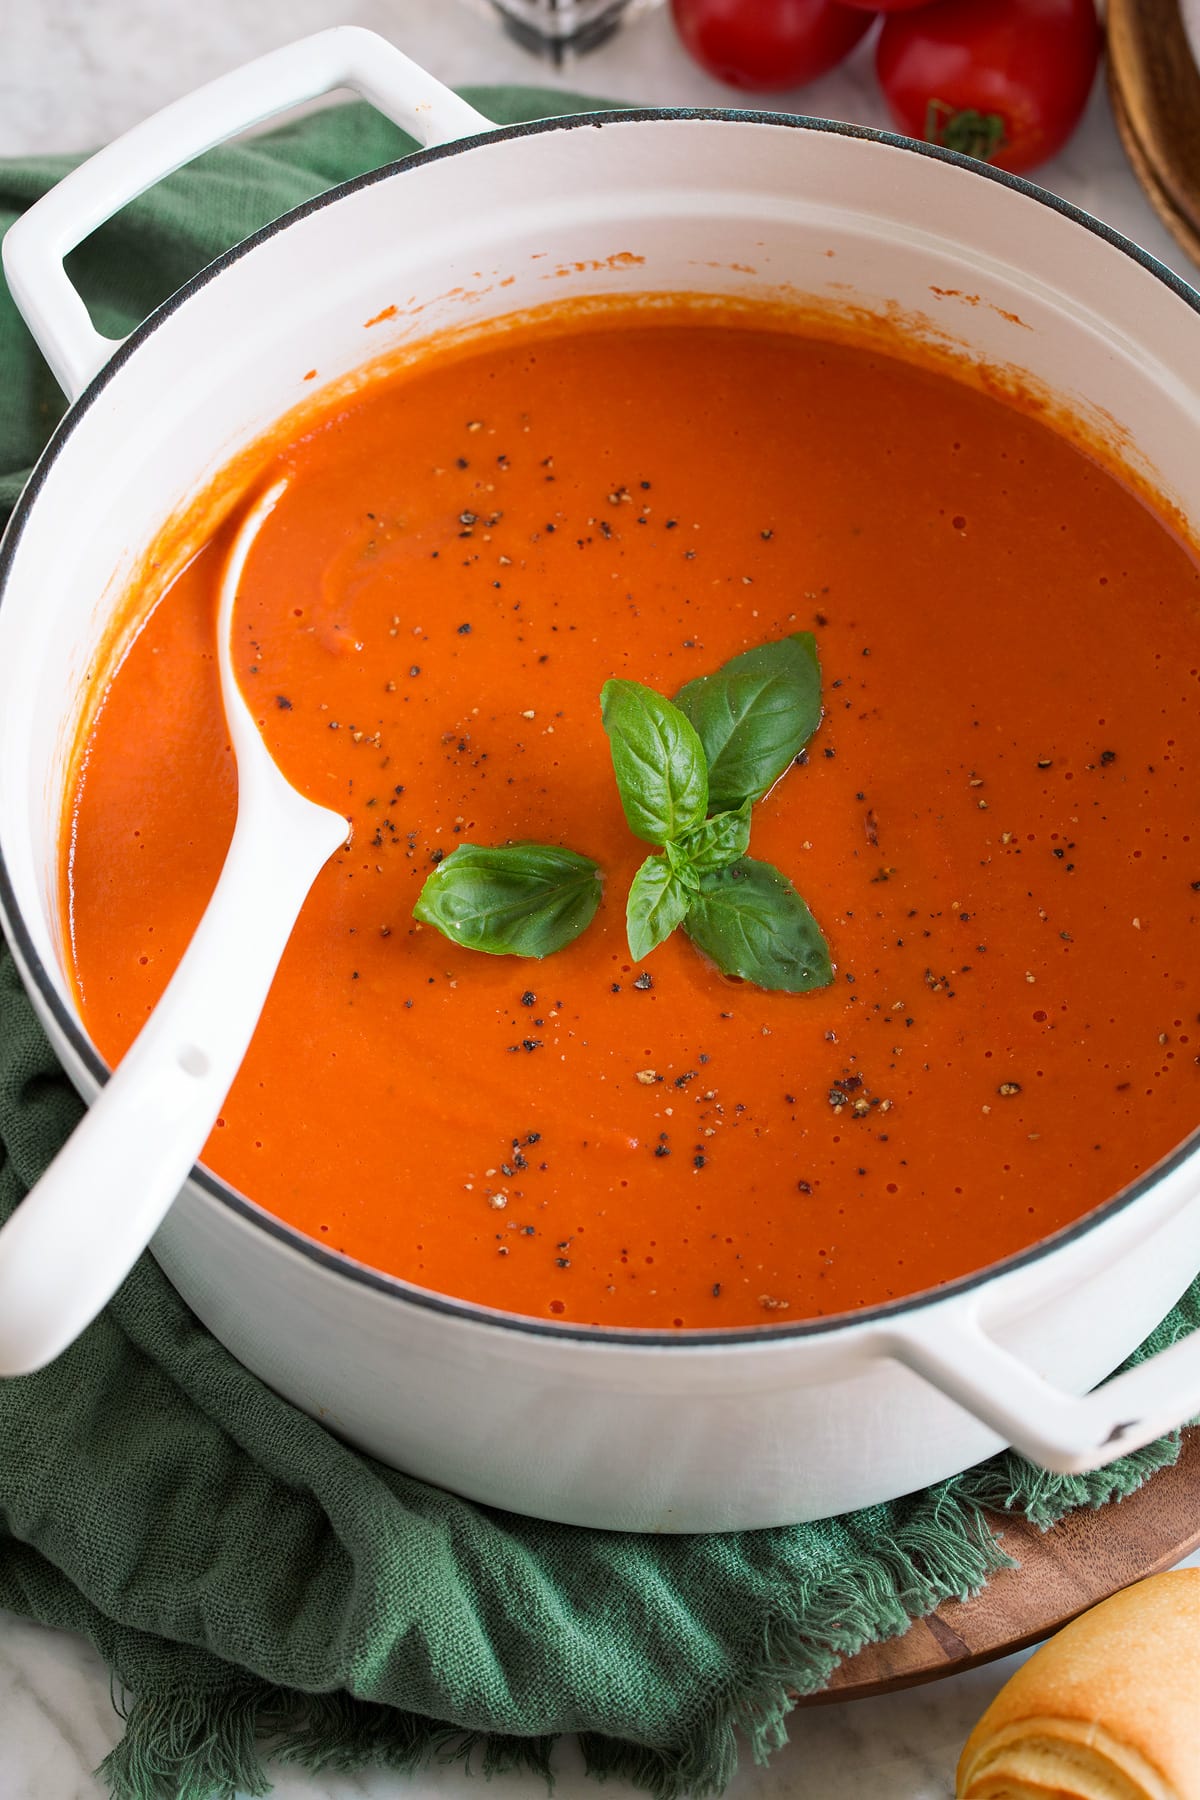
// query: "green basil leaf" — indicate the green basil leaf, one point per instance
point(754, 715)
point(657, 760)
point(681, 865)
point(719, 841)
point(511, 899)
point(658, 902)
point(751, 921)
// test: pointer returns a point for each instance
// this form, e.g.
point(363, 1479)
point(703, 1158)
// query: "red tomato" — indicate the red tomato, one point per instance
point(1004, 80)
point(768, 44)
point(887, 6)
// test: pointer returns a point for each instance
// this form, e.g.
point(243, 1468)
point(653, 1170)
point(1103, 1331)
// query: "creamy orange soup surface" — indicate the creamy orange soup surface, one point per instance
point(995, 823)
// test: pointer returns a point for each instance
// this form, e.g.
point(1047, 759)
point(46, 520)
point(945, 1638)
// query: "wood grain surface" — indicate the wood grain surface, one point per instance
point(1062, 1572)
point(1154, 85)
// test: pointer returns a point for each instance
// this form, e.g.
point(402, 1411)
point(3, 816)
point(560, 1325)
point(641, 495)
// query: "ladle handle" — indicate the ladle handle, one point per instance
point(345, 57)
point(78, 1232)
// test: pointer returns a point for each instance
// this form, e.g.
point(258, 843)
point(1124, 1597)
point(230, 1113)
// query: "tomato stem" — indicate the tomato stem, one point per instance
point(964, 129)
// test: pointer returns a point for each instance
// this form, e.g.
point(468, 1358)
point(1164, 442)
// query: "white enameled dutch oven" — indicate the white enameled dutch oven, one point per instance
point(694, 1431)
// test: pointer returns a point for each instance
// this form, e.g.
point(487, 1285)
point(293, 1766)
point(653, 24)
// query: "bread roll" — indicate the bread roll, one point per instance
point(1109, 1709)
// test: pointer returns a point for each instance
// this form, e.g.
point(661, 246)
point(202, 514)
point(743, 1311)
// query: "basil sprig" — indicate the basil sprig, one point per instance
point(511, 899)
point(688, 775)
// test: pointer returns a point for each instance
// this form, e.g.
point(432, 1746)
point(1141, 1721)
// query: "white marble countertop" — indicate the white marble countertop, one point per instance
point(77, 72)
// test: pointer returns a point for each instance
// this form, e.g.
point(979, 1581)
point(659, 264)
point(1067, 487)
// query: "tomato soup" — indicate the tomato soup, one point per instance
point(994, 824)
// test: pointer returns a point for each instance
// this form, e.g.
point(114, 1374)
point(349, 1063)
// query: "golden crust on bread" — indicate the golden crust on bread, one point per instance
point(1057, 1759)
point(1109, 1709)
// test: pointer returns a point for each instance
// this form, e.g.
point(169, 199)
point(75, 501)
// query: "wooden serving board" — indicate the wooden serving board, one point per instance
point(1154, 85)
point(1062, 1572)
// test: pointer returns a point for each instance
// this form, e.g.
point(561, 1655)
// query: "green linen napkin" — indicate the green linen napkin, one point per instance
point(249, 1579)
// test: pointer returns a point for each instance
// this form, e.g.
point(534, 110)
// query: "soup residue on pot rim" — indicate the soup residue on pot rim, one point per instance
point(995, 826)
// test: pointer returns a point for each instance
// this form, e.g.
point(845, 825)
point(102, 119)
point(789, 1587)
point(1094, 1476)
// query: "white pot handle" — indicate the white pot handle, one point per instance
point(1067, 1433)
point(345, 57)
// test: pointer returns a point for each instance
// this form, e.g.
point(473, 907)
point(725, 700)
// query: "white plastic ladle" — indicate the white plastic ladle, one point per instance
point(78, 1232)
